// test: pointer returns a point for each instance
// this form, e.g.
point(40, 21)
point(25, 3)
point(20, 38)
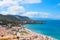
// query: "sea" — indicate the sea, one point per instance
point(50, 28)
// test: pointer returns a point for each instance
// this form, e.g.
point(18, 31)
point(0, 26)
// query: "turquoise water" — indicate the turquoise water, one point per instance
point(50, 28)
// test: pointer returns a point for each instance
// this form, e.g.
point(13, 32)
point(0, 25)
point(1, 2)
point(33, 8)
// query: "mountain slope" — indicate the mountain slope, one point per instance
point(17, 19)
point(14, 17)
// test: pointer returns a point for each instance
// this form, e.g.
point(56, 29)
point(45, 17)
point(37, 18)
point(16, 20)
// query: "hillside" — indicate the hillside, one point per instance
point(5, 19)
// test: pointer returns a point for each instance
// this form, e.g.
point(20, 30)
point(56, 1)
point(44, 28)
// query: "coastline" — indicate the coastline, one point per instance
point(21, 33)
point(51, 38)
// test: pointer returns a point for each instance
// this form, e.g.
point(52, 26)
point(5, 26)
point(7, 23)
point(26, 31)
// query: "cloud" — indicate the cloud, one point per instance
point(10, 7)
point(12, 2)
point(13, 7)
point(37, 14)
point(15, 2)
point(31, 1)
point(41, 15)
point(13, 10)
point(16, 9)
point(5, 2)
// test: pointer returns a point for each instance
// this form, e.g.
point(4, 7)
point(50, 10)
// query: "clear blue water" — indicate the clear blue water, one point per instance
point(50, 28)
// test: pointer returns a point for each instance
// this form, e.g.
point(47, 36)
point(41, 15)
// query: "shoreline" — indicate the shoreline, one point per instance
point(21, 32)
point(41, 34)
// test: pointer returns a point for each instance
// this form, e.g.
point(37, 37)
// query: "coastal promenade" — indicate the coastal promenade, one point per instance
point(21, 33)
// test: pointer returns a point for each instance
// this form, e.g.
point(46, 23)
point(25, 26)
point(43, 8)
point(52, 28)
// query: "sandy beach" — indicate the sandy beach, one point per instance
point(44, 36)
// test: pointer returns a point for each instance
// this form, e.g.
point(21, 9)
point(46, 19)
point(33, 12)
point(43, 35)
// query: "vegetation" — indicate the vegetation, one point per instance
point(15, 19)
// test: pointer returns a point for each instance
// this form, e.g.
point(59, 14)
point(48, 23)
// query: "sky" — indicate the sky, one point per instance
point(46, 9)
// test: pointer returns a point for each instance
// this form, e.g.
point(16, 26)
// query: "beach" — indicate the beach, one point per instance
point(21, 33)
point(44, 37)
